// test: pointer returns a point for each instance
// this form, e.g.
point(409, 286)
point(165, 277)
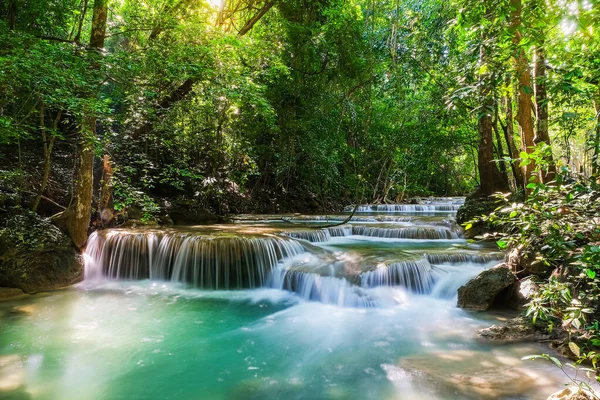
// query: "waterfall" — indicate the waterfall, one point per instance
point(325, 289)
point(417, 276)
point(321, 234)
point(206, 262)
point(405, 208)
point(406, 233)
point(456, 258)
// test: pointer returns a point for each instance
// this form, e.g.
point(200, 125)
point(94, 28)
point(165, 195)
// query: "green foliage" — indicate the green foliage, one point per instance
point(557, 227)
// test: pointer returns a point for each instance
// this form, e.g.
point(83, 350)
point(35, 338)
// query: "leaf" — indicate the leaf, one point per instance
point(502, 244)
point(590, 273)
point(575, 349)
point(556, 361)
point(468, 226)
point(532, 357)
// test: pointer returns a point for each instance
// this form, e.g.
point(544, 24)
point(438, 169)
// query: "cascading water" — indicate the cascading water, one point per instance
point(365, 311)
point(396, 208)
point(406, 233)
point(202, 261)
point(461, 258)
point(417, 276)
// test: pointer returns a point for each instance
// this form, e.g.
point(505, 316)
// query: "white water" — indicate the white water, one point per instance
point(353, 317)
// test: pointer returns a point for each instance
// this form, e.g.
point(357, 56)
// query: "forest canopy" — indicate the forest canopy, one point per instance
point(252, 105)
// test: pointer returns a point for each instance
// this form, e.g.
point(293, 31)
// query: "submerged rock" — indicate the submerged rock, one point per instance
point(8, 293)
point(467, 374)
point(572, 393)
point(517, 330)
point(479, 293)
point(35, 255)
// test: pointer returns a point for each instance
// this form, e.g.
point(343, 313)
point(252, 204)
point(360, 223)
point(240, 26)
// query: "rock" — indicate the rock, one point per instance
point(517, 330)
point(165, 220)
point(468, 374)
point(35, 255)
point(520, 292)
point(479, 293)
point(476, 207)
point(572, 393)
point(518, 259)
point(8, 293)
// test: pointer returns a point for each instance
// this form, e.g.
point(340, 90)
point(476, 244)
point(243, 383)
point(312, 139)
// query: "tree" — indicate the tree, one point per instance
point(79, 213)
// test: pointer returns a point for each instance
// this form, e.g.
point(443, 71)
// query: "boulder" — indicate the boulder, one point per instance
point(518, 330)
point(470, 374)
point(9, 293)
point(479, 293)
point(35, 255)
point(572, 393)
point(521, 292)
point(520, 259)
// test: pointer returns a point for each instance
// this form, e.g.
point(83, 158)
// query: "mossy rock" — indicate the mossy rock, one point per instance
point(480, 292)
point(35, 255)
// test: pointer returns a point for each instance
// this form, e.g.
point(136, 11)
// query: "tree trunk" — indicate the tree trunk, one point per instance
point(596, 138)
point(80, 210)
point(48, 146)
point(509, 135)
point(105, 205)
point(541, 108)
point(490, 179)
point(499, 147)
point(524, 101)
point(12, 15)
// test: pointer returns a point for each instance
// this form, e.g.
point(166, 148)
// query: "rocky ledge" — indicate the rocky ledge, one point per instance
point(35, 255)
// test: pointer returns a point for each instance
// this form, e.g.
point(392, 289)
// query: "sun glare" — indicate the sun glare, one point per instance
point(215, 3)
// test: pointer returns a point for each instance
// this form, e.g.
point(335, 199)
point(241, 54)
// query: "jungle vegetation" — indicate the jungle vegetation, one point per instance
point(253, 105)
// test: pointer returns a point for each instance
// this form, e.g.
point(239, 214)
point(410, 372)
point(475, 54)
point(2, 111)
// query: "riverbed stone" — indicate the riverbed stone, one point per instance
point(469, 374)
point(479, 293)
point(518, 330)
point(35, 255)
point(9, 293)
point(572, 393)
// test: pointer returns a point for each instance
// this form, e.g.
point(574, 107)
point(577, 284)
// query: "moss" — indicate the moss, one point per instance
point(35, 255)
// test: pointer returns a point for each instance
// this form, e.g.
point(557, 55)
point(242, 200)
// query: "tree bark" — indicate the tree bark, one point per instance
point(541, 108)
point(509, 134)
point(490, 179)
point(524, 101)
point(12, 15)
point(499, 146)
point(80, 210)
point(48, 146)
point(596, 138)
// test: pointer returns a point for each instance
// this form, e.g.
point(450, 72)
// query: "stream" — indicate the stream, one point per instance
point(271, 307)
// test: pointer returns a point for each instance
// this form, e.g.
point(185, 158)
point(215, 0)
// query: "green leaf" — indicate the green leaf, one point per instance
point(502, 244)
point(590, 273)
point(556, 361)
point(468, 226)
